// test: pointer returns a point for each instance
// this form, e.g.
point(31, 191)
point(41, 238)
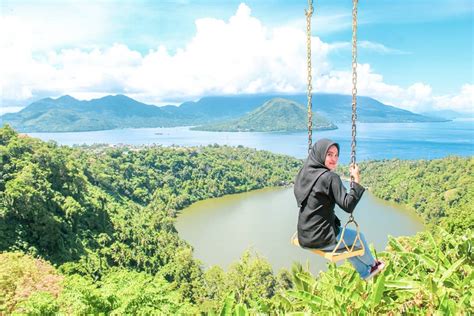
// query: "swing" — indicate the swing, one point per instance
point(338, 253)
point(357, 247)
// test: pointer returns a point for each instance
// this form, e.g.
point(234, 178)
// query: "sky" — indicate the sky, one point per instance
point(413, 54)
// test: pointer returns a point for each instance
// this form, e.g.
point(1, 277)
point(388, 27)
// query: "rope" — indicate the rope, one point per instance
point(308, 14)
point(354, 85)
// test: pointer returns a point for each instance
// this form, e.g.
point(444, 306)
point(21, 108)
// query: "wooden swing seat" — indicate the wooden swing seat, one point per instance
point(333, 255)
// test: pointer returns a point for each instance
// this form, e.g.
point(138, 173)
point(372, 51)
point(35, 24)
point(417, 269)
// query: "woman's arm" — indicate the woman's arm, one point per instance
point(346, 200)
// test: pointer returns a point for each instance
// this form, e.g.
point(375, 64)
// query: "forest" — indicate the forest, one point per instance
point(89, 230)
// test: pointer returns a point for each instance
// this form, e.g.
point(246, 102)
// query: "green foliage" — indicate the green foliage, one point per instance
point(427, 273)
point(133, 292)
point(20, 277)
point(252, 280)
point(93, 209)
point(248, 286)
point(81, 295)
point(441, 190)
point(215, 289)
point(34, 287)
point(38, 303)
point(105, 207)
point(45, 200)
point(184, 275)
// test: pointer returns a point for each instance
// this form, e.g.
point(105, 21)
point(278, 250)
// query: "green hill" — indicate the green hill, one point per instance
point(57, 201)
point(275, 115)
point(335, 107)
point(67, 114)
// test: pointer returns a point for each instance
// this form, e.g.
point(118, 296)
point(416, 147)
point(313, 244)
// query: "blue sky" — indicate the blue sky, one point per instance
point(417, 55)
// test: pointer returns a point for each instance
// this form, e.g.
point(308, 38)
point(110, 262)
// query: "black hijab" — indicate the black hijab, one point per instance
point(312, 169)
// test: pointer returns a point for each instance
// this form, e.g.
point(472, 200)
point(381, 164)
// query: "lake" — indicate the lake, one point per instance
point(221, 229)
point(374, 140)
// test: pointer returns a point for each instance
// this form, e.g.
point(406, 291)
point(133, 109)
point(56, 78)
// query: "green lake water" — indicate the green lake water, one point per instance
point(221, 229)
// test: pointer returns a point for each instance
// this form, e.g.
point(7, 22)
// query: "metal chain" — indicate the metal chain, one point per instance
point(309, 14)
point(354, 84)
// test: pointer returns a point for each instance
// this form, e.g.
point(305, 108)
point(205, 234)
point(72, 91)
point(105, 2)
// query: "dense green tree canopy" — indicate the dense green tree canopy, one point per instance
point(441, 191)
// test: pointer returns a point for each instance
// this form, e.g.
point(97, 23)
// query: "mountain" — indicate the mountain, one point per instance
point(223, 107)
point(277, 114)
point(335, 107)
point(67, 114)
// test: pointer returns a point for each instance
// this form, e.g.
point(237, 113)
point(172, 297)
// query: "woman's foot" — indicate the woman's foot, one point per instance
point(375, 269)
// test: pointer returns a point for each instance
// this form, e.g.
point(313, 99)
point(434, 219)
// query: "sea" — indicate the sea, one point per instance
point(374, 141)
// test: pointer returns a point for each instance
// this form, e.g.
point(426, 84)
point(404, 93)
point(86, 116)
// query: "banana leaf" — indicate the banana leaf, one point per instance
point(451, 270)
point(403, 284)
point(241, 310)
point(379, 287)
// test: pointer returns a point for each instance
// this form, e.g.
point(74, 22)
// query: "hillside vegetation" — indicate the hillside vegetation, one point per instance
point(441, 191)
point(66, 114)
point(90, 230)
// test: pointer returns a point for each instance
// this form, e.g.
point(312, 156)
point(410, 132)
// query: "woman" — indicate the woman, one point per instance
point(317, 190)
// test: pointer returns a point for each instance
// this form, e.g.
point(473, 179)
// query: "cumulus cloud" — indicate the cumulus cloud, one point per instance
point(240, 55)
point(56, 24)
point(464, 101)
point(417, 97)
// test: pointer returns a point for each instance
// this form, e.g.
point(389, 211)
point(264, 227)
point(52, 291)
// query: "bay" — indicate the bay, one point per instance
point(374, 140)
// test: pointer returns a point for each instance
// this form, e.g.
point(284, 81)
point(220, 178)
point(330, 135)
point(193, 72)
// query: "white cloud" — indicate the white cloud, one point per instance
point(464, 101)
point(380, 48)
point(240, 55)
point(369, 46)
point(224, 57)
point(56, 24)
point(418, 97)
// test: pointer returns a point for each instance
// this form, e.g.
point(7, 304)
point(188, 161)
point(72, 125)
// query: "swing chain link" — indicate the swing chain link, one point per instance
point(351, 218)
point(309, 14)
point(354, 86)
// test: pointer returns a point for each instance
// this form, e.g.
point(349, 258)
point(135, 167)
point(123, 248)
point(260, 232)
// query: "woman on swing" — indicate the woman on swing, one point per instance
point(317, 190)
